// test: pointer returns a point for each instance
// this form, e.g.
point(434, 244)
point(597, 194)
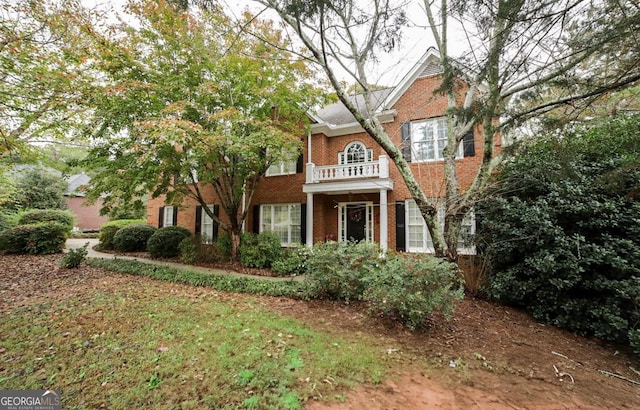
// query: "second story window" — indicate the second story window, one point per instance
point(428, 139)
point(355, 153)
point(286, 167)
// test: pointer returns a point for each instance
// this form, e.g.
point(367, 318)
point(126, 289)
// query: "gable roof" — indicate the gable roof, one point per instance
point(77, 184)
point(429, 64)
point(338, 114)
point(336, 119)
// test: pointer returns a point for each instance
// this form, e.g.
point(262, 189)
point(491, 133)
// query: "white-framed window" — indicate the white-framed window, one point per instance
point(168, 216)
point(206, 225)
point(286, 167)
point(428, 139)
point(419, 239)
point(284, 220)
point(355, 153)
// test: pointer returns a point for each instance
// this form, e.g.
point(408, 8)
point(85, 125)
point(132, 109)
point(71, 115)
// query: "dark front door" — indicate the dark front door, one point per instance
point(356, 222)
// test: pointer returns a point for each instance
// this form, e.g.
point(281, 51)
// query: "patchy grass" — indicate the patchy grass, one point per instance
point(155, 347)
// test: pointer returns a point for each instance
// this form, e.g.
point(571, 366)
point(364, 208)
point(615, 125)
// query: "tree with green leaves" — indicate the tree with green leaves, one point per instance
point(516, 51)
point(39, 188)
point(44, 79)
point(192, 107)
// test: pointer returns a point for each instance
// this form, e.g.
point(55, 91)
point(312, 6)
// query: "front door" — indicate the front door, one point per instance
point(356, 221)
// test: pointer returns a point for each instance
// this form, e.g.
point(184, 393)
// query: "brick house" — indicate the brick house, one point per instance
point(343, 186)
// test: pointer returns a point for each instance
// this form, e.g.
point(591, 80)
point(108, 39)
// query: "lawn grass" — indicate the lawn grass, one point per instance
point(149, 346)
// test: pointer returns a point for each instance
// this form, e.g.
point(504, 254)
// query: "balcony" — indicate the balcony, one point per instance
point(339, 178)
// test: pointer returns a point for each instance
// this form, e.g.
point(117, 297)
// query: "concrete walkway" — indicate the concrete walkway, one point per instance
point(75, 243)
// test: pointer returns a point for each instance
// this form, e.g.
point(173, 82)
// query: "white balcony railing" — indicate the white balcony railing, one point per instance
point(372, 169)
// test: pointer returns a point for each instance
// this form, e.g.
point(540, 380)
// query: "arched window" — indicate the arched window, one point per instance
point(355, 153)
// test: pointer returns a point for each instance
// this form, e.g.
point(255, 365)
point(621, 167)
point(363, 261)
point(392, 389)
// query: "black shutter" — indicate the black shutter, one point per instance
point(198, 227)
point(406, 140)
point(303, 224)
point(175, 216)
point(216, 212)
point(400, 227)
point(256, 219)
point(161, 217)
point(299, 164)
point(176, 176)
point(468, 145)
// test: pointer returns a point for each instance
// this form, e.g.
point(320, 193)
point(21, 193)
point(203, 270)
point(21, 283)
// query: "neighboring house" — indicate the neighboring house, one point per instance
point(349, 189)
point(88, 216)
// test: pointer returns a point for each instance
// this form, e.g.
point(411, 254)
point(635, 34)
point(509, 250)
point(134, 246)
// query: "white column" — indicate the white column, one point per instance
point(309, 216)
point(384, 220)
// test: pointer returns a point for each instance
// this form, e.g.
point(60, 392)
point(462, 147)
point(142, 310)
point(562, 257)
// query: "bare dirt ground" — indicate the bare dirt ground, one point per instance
point(487, 357)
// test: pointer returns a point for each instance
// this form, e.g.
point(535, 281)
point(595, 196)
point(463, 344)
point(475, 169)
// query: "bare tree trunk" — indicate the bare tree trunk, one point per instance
point(235, 246)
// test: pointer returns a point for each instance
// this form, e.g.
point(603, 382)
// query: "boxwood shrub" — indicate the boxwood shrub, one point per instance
point(165, 242)
point(109, 230)
point(35, 216)
point(133, 238)
point(259, 251)
point(40, 238)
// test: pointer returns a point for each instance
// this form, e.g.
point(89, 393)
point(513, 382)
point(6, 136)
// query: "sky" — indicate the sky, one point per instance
point(416, 39)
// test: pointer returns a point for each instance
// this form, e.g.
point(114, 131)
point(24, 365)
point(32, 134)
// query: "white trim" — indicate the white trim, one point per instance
point(283, 167)
point(289, 223)
point(205, 219)
point(168, 216)
point(345, 187)
point(430, 55)
point(309, 216)
point(384, 221)
point(436, 124)
point(427, 242)
point(332, 130)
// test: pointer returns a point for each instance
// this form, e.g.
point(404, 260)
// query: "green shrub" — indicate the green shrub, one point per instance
point(335, 270)
point(74, 257)
point(165, 242)
point(35, 216)
point(14, 240)
point(561, 229)
point(192, 250)
point(133, 238)
point(223, 245)
point(259, 251)
point(8, 220)
point(109, 230)
point(634, 340)
point(292, 262)
point(188, 249)
point(41, 238)
point(410, 288)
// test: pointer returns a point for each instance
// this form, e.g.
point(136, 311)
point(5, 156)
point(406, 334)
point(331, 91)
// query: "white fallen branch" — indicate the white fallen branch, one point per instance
point(563, 374)
point(560, 354)
point(618, 376)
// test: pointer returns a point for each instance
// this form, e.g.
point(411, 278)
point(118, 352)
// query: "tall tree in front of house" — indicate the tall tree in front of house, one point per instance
point(192, 107)
point(517, 51)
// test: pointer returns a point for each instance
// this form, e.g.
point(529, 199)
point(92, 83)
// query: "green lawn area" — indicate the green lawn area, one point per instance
point(147, 345)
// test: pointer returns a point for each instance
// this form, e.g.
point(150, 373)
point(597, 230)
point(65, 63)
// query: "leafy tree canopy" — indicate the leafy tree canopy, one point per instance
point(187, 98)
point(39, 188)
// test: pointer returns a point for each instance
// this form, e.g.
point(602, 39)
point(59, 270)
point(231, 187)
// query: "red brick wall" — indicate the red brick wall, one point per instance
point(418, 102)
point(87, 216)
